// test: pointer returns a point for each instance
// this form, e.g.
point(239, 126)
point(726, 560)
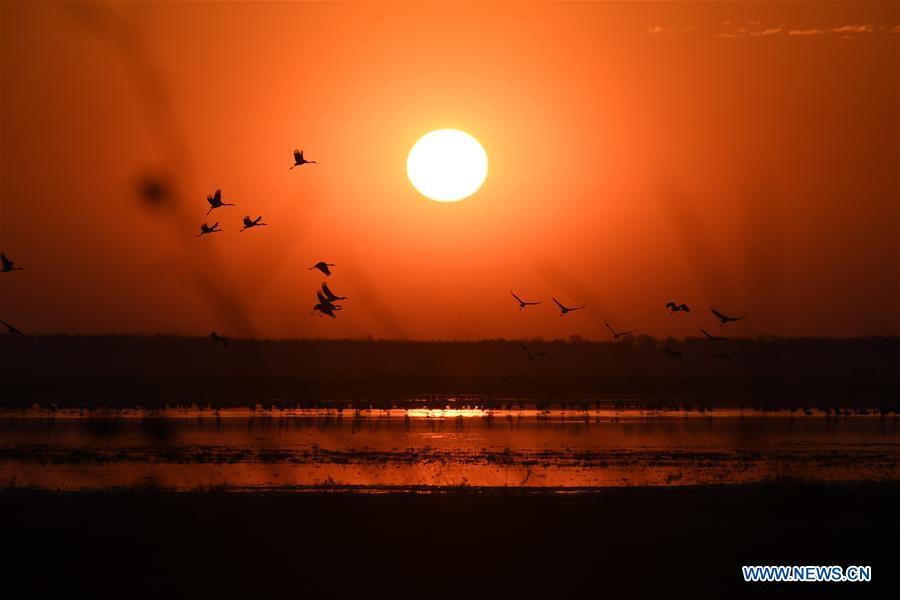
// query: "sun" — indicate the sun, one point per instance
point(447, 165)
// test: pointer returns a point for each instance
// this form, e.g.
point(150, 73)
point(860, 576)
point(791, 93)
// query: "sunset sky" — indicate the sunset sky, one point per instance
point(737, 155)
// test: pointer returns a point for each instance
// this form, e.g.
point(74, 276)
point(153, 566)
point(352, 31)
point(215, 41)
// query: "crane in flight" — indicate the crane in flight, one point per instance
point(564, 310)
point(617, 334)
point(8, 265)
point(323, 299)
point(724, 318)
point(13, 331)
point(216, 338)
point(299, 161)
point(522, 303)
point(323, 266)
point(204, 229)
point(674, 308)
point(215, 201)
point(531, 355)
point(711, 337)
point(248, 222)
point(325, 308)
point(331, 296)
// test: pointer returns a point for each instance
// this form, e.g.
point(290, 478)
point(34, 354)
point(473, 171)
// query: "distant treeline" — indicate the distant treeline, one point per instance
point(155, 371)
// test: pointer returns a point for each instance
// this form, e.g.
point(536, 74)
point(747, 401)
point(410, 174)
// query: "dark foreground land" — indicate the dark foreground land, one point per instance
point(634, 542)
point(152, 372)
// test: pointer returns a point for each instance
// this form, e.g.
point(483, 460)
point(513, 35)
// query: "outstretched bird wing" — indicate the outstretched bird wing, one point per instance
point(519, 300)
point(671, 306)
point(247, 221)
point(218, 196)
point(559, 305)
point(613, 331)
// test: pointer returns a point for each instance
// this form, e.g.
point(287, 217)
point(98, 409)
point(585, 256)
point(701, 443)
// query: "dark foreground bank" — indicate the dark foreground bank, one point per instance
point(681, 542)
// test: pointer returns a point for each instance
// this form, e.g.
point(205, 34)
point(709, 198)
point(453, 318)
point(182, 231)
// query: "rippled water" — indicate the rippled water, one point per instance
point(374, 450)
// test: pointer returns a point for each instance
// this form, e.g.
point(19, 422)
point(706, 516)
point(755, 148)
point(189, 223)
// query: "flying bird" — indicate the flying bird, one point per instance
point(325, 309)
point(724, 318)
point(204, 229)
point(299, 161)
point(215, 337)
point(13, 331)
point(674, 308)
point(331, 296)
point(531, 355)
point(8, 265)
point(564, 310)
point(325, 301)
point(617, 334)
point(711, 337)
point(215, 201)
point(673, 353)
point(323, 266)
point(522, 303)
point(248, 222)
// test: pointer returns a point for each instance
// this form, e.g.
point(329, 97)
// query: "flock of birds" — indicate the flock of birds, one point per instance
point(328, 302)
point(672, 306)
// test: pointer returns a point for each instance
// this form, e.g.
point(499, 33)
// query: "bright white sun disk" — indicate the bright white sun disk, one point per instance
point(447, 165)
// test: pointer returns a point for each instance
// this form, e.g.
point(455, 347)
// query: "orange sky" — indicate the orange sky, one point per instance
point(738, 155)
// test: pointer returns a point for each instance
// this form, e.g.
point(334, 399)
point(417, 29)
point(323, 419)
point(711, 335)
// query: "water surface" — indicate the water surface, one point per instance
point(381, 450)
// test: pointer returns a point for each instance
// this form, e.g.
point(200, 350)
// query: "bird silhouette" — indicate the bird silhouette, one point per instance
point(674, 308)
point(325, 308)
point(673, 353)
point(215, 337)
point(299, 161)
point(617, 334)
point(522, 303)
point(13, 331)
point(215, 201)
point(711, 337)
point(331, 296)
point(248, 222)
point(323, 266)
point(531, 355)
point(724, 318)
point(323, 299)
point(564, 310)
point(204, 229)
point(8, 265)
